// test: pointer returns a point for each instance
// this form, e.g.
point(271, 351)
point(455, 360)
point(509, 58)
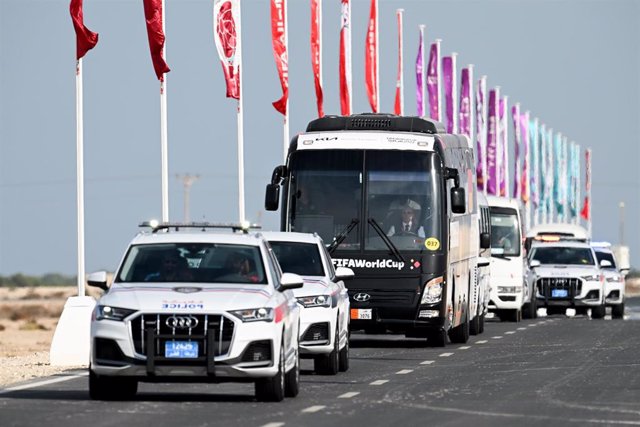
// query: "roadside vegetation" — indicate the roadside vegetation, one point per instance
point(51, 279)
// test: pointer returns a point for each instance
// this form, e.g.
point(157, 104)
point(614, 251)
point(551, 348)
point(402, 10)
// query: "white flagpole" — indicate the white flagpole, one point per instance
point(241, 209)
point(505, 129)
point(439, 90)
point(377, 59)
point(472, 108)
point(423, 75)
point(80, 177)
point(399, 13)
point(483, 136)
point(286, 115)
point(454, 90)
point(164, 151)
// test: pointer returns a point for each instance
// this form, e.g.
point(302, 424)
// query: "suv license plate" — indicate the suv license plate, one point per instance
point(559, 293)
point(361, 313)
point(181, 349)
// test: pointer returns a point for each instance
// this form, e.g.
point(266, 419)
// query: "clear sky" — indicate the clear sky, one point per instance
point(572, 63)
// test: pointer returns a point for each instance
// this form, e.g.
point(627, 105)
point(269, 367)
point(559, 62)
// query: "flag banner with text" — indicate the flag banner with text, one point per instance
point(492, 144)
point(419, 79)
point(447, 79)
point(432, 82)
point(226, 15)
point(465, 103)
point(481, 131)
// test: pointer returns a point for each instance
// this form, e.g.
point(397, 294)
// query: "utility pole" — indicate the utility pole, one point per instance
point(187, 182)
point(621, 236)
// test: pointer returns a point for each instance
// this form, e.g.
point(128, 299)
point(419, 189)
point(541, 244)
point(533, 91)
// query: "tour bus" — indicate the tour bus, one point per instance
point(395, 199)
point(511, 297)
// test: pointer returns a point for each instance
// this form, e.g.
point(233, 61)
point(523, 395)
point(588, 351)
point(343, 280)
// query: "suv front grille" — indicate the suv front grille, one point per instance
point(546, 285)
point(216, 326)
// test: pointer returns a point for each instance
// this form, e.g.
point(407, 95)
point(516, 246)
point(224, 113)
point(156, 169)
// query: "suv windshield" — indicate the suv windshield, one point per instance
point(193, 263)
point(299, 258)
point(563, 255)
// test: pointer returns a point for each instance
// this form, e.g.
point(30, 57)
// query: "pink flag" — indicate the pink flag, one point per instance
point(447, 77)
point(345, 58)
point(316, 52)
point(371, 57)
point(492, 144)
point(586, 208)
point(278, 40)
point(225, 35)
point(398, 107)
point(481, 131)
point(524, 132)
point(85, 38)
point(433, 81)
point(502, 143)
point(155, 33)
point(515, 115)
point(420, 76)
point(465, 103)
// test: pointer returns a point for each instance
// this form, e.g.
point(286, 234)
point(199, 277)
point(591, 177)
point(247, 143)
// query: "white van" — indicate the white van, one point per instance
point(511, 298)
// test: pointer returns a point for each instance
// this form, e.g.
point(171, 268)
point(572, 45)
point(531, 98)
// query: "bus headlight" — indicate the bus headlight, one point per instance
point(432, 291)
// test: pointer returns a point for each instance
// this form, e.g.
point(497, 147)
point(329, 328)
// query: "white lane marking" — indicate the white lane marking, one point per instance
point(404, 371)
point(427, 362)
point(510, 332)
point(278, 424)
point(531, 325)
point(378, 382)
point(41, 383)
point(446, 354)
point(497, 337)
point(312, 409)
point(522, 329)
point(349, 395)
point(482, 342)
point(464, 347)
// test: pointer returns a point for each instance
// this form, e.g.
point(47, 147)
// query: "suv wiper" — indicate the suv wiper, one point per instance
point(385, 239)
point(501, 256)
point(343, 235)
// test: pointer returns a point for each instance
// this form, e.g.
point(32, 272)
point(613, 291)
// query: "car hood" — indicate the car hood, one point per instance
point(313, 285)
point(187, 297)
point(565, 270)
point(510, 268)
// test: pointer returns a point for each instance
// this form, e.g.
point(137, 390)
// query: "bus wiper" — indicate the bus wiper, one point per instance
point(385, 239)
point(343, 235)
point(501, 256)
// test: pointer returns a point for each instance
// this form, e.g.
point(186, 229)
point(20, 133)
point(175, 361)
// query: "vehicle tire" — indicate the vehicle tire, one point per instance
point(598, 312)
point(343, 361)
point(328, 364)
point(481, 324)
point(617, 311)
point(272, 389)
point(514, 315)
point(530, 309)
point(460, 334)
point(292, 379)
point(111, 388)
point(474, 325)
point(437, 339)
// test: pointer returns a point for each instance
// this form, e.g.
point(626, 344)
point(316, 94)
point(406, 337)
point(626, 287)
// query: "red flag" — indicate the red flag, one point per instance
point(278, 40)
point(371, 57)
point(226, 32)
point(586, 209)
point(316, 51)
point(345, 58)
point(153, 15)
point(85, 38)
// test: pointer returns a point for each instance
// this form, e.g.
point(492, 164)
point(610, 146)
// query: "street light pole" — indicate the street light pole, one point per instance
point(187, 182)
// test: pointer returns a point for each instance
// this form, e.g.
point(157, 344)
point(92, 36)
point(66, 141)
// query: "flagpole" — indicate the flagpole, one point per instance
point(377, 59)
point(505, 153)
point(483, 136)
point(423, 74)
point(80, 178)
point(439, 83)
point(286, 113)
point(399, 13)
point(240, 118)
point(472, 108)
point(588, 191)
point(454, 91)
point(164, 151)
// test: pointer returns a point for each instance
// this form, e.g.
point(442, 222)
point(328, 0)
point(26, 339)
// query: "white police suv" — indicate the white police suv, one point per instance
point(566, 274)
point(324, 320)
point(191, 305)
point(614, 284)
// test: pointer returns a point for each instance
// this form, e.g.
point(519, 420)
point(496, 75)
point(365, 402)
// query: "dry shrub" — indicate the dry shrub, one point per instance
point(22, 312)
point(32, 325)
point(58, 295)
point(32, 293)
point(2, 327)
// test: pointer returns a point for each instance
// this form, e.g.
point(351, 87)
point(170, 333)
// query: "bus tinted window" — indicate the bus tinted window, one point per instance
point(505, 232)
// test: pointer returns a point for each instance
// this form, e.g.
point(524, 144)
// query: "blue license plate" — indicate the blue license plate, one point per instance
point(559, 293)
point(181, 349)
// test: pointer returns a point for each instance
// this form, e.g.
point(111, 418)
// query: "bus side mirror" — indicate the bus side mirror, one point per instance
point(272, 197)
point(458, 200)
point(485, 240)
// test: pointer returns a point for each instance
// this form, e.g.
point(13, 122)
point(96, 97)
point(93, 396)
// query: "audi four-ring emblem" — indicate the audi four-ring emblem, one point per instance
point(362, 297)
point(181, 322)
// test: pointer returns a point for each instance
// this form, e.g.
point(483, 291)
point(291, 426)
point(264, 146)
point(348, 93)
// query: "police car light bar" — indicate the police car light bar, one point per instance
point(156, 225)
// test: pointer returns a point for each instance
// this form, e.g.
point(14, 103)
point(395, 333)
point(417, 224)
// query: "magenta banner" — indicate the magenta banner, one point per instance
point(515, 116)
point(492, 145)
point(502, 146)
point(432, 82)
point(447, 79)
point(481, 132)
point(524, 132)
point(465, 103)
point(419, 74)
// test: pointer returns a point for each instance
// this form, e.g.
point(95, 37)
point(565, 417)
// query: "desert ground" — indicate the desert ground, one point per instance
point(28, 318)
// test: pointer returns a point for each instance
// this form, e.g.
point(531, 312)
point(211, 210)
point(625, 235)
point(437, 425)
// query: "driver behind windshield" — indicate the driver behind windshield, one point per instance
point(407, 222)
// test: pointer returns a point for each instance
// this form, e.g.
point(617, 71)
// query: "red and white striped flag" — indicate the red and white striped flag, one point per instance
point(85, 38)
point(371, 58)
point(279, 42)
point(155, 32)
point(345, 58)
point(226, 33)
point(316, 52)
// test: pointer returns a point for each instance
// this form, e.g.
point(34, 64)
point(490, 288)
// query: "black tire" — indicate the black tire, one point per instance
point(437, 339)
point(460, 334)
point(530, 309)
point(328, 364)
point(474, 325)
point(617, 311)
point(111, 388)
point(343, 361)
point(292, 380)
point(598, 312)
point(272, 389)
point(582, 311)
point(481, 324)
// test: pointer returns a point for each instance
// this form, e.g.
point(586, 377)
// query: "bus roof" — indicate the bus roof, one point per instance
point(379, 122)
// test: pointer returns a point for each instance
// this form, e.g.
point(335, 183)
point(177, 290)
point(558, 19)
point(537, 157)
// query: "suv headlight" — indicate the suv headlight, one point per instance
point(615, 279)
point(591, 277)
point(254, 314)
point(107, 312)
point(315, 301)
point(432, 291)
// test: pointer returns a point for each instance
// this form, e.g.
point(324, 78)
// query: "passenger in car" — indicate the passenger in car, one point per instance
point(173, 268)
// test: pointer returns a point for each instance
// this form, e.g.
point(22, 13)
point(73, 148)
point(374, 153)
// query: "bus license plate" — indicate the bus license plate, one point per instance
point(361, 313)
point(559, 293)
point(181, 349)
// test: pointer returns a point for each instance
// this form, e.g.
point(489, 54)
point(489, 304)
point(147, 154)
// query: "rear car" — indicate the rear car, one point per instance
point(191, 305)
point(614, 283)
point(324, 319)
point(566, 274)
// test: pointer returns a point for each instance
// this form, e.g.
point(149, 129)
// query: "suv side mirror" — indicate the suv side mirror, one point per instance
point(534, 263)
point(344, 273)
point(290, 281)
point(485, 240)
point(98, 280)
point(272, 197)
point(458, 200)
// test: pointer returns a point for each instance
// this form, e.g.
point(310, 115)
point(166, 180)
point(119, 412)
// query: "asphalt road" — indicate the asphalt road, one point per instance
point(553, 371)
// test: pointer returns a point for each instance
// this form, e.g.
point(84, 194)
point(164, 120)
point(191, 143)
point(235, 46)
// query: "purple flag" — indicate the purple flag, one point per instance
point(481, 131)
point(502, 144)
point(419, 74)
point(492, 144)
point(447, 78)
point(515, 116)
point(524, 180)
point(465, 103)
point(432, 81)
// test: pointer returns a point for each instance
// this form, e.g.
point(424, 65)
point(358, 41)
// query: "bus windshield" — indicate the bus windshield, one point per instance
point(387, 194)
point(505, 232)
